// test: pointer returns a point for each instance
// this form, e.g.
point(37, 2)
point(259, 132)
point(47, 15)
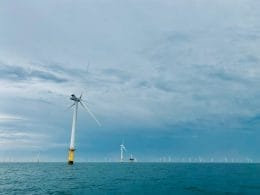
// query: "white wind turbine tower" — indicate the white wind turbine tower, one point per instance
point(122, 149)
point(72, 138)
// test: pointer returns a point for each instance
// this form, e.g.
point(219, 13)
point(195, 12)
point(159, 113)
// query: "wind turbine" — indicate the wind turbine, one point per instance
point(74, 121)
point(122, 149)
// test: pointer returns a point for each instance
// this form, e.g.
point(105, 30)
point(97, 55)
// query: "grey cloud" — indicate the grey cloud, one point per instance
point(120, 75)
point(17, 73)
point(177, 37)
point(46, 76)
point(143, 84)
point(230, 75)
point(168, 45)
point(242, 34)
point(251, 59)
point(164, 85)
point(254, 119)
point(74, 70)
point(222, 75)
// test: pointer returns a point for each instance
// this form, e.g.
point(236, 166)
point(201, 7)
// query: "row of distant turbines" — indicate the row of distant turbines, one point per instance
point(77, 101)
point(75, 104)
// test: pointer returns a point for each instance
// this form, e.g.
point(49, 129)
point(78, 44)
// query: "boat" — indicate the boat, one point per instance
point(132, 159)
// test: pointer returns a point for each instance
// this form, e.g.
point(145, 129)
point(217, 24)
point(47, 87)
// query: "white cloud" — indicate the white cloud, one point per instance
point(10, 117)
point(20, 139)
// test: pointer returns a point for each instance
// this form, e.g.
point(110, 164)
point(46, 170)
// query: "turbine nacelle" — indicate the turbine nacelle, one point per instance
point(80, 101)
point(74, 98)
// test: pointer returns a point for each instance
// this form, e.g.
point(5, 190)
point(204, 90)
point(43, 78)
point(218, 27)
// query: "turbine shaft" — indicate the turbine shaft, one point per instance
point(73, 129)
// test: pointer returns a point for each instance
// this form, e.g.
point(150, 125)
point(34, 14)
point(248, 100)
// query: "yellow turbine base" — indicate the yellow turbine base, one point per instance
point(71, 156)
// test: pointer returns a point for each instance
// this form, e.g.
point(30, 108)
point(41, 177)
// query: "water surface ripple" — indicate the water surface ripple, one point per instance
point(129, 178)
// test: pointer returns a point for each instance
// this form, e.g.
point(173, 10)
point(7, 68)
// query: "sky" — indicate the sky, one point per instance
point(172, 78)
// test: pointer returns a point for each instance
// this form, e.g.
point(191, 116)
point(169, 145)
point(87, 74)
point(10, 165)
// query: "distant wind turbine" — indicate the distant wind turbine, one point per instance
point(226, 159)
point(74, 121)
point(122, 149)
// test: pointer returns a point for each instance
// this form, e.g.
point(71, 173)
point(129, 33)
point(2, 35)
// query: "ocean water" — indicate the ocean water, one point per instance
point(129, 178)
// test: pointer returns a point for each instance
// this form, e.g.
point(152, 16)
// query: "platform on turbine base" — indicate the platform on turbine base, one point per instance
point(71, 156)
point(70, 162)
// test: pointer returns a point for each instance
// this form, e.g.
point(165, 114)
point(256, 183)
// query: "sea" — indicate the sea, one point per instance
point(129, 178)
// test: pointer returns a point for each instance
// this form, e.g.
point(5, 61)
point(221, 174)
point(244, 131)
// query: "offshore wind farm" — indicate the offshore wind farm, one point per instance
point(174, 83)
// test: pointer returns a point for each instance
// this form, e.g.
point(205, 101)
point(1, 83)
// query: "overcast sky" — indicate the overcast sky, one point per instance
point(177, 78)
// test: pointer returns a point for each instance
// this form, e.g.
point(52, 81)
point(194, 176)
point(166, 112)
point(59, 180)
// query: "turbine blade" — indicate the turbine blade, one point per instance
point(123, 147)
point(89, 111)
point(86, 102)
point(70, 107)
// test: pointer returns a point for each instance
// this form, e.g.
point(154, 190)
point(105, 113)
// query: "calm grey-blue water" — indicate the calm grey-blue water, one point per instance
point(129, 178)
